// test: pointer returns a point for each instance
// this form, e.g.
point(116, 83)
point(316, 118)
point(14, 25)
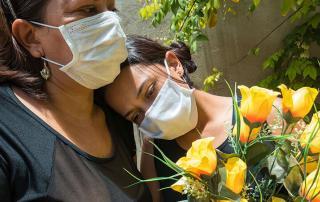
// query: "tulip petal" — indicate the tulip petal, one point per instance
point(303, 100)
point(312, 130)
point(256, 103)
point(236, 173)
point(287, 102)
point(180, 185)
point(310, 188)
point(201, 158)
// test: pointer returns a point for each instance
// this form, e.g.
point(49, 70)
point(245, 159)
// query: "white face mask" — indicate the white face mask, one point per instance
point(98, 47)
point(172, 114)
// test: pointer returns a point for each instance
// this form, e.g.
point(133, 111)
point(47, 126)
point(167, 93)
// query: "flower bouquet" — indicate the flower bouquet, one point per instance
point(275, 161)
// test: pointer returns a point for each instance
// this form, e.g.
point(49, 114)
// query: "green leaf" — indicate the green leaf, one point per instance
point(256, 3)
point(175, 6)
point(273, 59)
point(287, 5)
point(293, 70)
point(252, 8)
point(256, 153)
point(216, 4)
point(201, 37)
point(227, 193)
point(293, 181)
point(254, 51)
point(226, 156)
point(300, 199)
point(314, 22)
point(310, 71)
point(275, 169)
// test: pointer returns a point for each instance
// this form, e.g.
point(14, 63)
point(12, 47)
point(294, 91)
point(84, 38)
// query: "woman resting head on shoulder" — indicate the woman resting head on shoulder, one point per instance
point(56, 144)
point(154, 91)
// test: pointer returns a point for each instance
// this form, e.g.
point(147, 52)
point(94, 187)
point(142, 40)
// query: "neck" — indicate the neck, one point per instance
point(205, 104)
point(213, 111)
point(76, 102)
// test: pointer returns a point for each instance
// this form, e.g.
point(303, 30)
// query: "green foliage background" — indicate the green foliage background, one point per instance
point(291, 65)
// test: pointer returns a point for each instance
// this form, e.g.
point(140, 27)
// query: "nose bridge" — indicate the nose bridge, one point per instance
point(104, 5)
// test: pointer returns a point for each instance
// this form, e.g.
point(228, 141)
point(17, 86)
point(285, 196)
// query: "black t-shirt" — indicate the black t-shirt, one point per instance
point(39, 164)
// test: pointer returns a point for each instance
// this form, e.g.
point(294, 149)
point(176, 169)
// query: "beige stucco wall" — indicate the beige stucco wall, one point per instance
point(230, 41)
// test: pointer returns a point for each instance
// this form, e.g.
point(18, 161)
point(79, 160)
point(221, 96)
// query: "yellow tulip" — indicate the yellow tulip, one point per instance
point(297, 103)
point(201, 158)
point(309, 189)
point(236, 171)
point(245, 137)
point(311, 164)
point(180, 185)
point(256, 103)
point(312, 131)
point(241, 200)
point(276, 199)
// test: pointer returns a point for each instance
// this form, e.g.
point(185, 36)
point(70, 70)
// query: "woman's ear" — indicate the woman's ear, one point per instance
point(174, 63)
point(26, 34)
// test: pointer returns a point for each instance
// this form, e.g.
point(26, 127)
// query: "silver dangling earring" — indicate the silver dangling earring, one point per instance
point(45, 72)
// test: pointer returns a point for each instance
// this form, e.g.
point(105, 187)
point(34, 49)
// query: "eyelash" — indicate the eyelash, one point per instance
point(90, 10)
point(151, 90)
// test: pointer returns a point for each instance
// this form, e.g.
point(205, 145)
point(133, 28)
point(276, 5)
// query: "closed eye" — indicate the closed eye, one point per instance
point(151, 90)
point(90, 10)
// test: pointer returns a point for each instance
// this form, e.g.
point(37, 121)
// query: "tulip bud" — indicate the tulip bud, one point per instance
point(236, 171)
point(256, 103)
point(297, 103)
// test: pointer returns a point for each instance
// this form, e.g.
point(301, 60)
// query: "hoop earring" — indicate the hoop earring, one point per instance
point(45, 72)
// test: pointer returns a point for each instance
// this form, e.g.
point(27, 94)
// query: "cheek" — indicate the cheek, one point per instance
point(119, 100)
point(55, 47)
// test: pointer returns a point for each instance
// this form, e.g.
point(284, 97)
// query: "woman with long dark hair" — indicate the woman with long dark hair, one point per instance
point(56, 143)
point(154, 91)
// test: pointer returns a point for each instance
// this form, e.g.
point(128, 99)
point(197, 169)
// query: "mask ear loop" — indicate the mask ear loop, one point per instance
point(167, 68)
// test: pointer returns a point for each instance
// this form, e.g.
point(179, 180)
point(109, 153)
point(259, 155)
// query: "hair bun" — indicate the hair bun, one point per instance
point(182, 51)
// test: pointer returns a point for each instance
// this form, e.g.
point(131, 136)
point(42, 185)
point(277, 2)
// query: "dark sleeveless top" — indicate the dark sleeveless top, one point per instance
point(174, 152)
point(39, 164)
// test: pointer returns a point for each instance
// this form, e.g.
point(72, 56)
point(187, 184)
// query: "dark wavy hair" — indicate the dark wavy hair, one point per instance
point(142, 50)
point(17, 66)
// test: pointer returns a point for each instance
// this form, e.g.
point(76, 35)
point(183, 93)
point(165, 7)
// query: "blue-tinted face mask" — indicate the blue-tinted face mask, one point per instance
point(172, 114)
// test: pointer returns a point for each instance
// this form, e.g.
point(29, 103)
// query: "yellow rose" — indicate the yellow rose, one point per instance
point(201, 158)
point(256, 103)
point(309, 189)
point(312, 131)
point(276, 199)
point(245, 137)
point(299, 102)
point(236, 171)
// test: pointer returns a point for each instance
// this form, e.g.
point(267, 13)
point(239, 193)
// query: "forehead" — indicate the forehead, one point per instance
point(131, 78)
point(69, 4)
